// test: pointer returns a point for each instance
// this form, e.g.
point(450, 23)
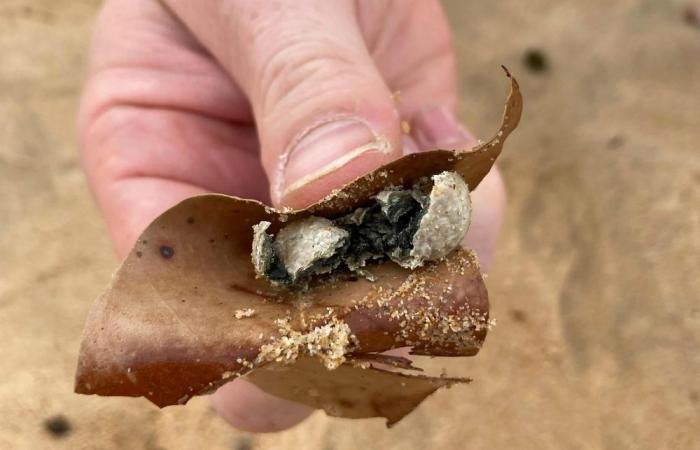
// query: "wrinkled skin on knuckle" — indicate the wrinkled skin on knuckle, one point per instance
point(101, 126)
point(288, 78)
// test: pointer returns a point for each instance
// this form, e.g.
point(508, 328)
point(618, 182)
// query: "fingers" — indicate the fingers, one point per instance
point(324, 113)
point(488, 209)
point(141, 161)
point(411, 43)
point(159, 121)
point(250, 409)
point(438, 128)
point(140, 53)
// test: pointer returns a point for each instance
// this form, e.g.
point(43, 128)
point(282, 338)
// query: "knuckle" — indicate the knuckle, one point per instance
point(299, 69)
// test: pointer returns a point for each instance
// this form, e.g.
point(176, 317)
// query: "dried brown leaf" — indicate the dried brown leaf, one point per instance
point(351, 392)
point(166, 326)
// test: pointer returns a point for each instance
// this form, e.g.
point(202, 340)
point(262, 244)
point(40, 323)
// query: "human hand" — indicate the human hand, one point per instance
point(277, 101)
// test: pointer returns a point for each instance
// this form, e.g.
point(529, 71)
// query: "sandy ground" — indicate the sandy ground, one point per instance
point(595, 284)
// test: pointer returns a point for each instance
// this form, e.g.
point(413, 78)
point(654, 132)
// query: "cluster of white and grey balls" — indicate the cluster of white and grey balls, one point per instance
point(408, 226)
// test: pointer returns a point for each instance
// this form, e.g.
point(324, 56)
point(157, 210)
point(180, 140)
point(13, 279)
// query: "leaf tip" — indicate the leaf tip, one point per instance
point(505, 69)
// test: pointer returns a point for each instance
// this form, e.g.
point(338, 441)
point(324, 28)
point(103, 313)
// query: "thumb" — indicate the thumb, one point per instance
point(324, 113)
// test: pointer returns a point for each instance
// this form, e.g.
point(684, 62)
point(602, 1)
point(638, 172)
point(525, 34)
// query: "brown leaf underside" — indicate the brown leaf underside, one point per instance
point(351, 392)
point(165, 328)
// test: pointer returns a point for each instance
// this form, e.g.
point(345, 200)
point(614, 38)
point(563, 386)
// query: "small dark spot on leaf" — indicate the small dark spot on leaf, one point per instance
point(616, 141)
point(57, 425)
point(243, 443)
point(518, 315)
point(225, 236)
point(345, 403)
point(144, 242)
point(694, 396)
point(139, 254)
point(190, 220)
point(211, 241)
point(166, 251)
point(535, 60)
point(183, 300)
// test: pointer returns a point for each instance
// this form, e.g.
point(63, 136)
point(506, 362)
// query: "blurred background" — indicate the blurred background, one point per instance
point(596, 282)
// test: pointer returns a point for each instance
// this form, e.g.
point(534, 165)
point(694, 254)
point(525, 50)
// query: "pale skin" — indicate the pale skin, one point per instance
point(278, 101)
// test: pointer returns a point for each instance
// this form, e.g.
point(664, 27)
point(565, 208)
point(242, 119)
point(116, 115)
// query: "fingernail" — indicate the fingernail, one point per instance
point(439, 128)
point(323, 150)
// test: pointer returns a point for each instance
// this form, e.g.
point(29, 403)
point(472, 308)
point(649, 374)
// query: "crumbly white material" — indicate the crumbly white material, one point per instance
point(243, 313)
point(306, 241)
point(262, 248)
point(444, 224)
point(329, 342)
